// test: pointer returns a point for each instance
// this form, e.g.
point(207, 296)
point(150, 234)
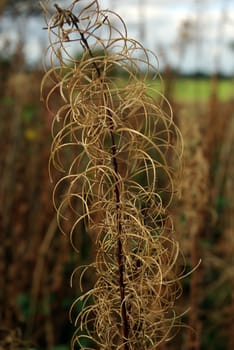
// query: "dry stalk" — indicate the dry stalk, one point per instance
point(120, 181)
point(194, 203)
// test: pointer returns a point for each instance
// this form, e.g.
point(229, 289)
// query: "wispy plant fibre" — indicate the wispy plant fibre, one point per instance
point(120, 179)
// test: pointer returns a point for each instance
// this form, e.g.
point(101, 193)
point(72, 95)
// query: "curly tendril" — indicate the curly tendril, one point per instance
point(119, 176)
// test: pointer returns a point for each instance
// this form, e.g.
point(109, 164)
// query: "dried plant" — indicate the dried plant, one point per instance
point(206, 226)
point(194, 203)
point(11, 339)
point(120, 181)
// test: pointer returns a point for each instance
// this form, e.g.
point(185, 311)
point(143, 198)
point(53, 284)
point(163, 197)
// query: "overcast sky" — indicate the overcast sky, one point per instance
point(161, 20)
point(157, 23)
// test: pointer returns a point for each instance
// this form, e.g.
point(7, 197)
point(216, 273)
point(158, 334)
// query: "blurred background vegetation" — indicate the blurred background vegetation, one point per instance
point(36, 260)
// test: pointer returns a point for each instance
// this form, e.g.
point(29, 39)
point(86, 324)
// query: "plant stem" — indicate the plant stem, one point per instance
point(119, 247)
point(120, 256)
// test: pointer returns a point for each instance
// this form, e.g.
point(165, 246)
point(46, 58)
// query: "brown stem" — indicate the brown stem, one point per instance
point(85, 43)
point(120, 255)
point(119, 248)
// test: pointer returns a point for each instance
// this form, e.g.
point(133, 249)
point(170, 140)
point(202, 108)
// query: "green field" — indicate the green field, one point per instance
point(190, 89)
point(200, 89)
